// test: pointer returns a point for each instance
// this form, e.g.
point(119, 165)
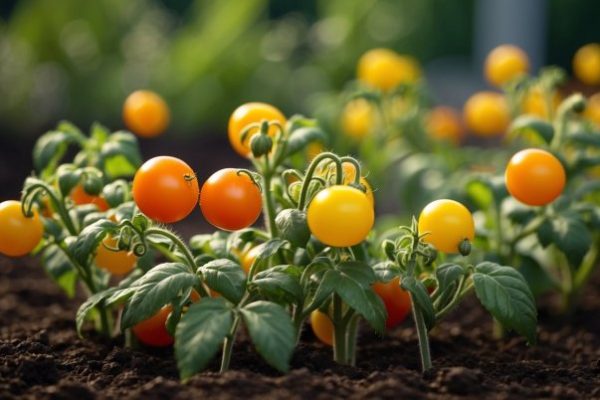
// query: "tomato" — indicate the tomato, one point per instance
point(146, 114)
point(340, 216)
point(592, 110)
point(535, 177)
point(153, 332)
point(247, 114)
point(81, 197)
point(444, 124)
point(385, 69)
point(486, 114)
point(505, 63)
point(358, 118)
point(447, 223)
point(586, 64)
point(165, 189)
point(396, 300)
point(535, 104)
point(115, 262)
point(230, 200)
point(322, 327)
point(247, 259)
point(19, 235)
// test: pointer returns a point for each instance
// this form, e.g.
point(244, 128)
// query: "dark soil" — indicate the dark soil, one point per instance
point(42, 357)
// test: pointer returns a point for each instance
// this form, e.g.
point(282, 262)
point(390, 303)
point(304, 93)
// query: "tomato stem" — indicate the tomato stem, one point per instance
point(339, 332)
point(422, 335)
point(228, 345)
point(308, 177)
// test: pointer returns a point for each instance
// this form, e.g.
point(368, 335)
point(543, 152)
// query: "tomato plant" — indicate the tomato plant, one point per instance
point(165, 189)
point(145, 113)
point(443, 123)
point(19, 234)
point(230, 199)
point(535, 177)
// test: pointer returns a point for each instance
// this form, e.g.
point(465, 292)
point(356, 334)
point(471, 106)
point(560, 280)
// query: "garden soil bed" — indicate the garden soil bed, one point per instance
point(42, 357)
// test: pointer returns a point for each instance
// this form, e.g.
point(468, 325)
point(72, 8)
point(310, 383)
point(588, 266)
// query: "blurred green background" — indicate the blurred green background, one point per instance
point(77, 60)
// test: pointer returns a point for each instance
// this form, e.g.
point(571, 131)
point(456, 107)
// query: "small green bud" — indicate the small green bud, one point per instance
point(464, 247)
point(293, 227)
point(261, 145)
point(389, 248)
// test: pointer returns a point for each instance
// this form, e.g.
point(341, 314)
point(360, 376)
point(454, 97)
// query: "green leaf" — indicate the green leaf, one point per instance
point(160, 286)
point(89, 239)
point(385, 271)
point(536, 277)
point(280, 284)
point(301, 137)
point(504, 293)
point(226, 277)
point(60, 269)
point(363, 300)
point(272, 332)
point(87, 306)
point(585, 140)
point(525, 124)
point(200, 333)
point(361, 272)
point(120, 155)
point(521, 215)
point(448, 274)
point(324, 289)
point(116, 193)
point(480, 194)
point(50, 149)
point(572, 237)
point(421, 298)
point(268, 249)
point(545, 233)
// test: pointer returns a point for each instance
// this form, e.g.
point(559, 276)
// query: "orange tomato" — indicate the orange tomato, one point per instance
point(153, 332)
point(444, 124)
point(146, 114)
point(247, 259)
point(535, 177)
point(19, 235)
point(81, 197)
point(396, 300)
point(322, 327)
point(535, 104)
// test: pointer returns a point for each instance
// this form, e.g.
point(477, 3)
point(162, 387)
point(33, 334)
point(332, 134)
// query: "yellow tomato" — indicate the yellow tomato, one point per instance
point(505, 63)
point(486, 114)
point(19, 235)
point(586, 64)
point(247, 259)
point(535, 104)
point(247, 114)
point(146, 114)
point(385, 69)
point(358, 118)
point(443, 123)
point(447, 223)
point(115, 262)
